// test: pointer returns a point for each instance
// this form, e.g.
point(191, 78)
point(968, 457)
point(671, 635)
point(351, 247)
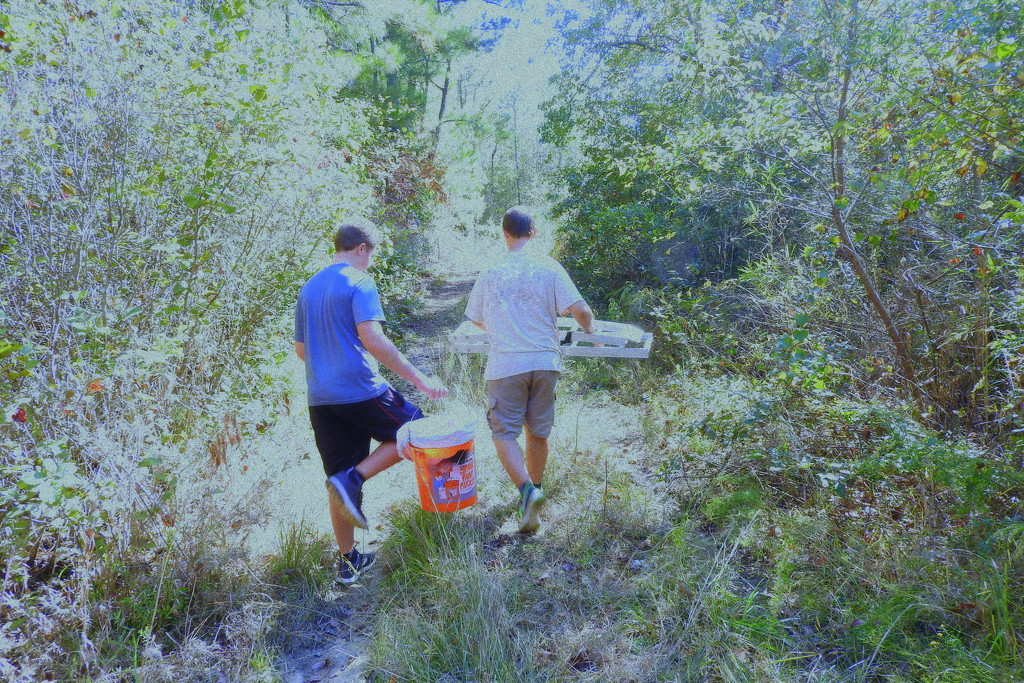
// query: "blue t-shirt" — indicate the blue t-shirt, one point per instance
point(338, 368)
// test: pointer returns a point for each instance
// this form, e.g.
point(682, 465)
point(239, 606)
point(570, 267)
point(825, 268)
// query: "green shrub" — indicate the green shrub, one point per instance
point(167, 200)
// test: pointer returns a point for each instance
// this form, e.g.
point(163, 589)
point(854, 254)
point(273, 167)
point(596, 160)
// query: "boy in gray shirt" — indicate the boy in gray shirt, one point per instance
point(518, 301)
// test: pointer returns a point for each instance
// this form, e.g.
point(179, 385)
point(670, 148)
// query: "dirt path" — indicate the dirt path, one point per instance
point(426, 333)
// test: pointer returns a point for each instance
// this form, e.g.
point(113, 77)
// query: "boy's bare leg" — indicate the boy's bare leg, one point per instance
point(383, 456)
point(344, 532)
point(511, 456)
point(523, 468)
point(536, 456)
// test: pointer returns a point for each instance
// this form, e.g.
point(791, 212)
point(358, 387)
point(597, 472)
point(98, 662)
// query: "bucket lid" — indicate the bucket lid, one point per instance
point(440, 431)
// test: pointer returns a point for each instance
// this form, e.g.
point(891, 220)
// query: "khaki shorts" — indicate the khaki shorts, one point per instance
point(527, 399)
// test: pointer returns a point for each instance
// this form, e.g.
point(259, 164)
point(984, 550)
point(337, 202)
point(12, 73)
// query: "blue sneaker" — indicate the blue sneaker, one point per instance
point(343, 486)
point(531, 501)
point(352, 564)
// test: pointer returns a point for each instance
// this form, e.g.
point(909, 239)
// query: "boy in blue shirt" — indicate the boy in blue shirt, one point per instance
point(338, 335)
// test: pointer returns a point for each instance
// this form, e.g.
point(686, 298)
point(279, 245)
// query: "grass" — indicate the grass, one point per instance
point(643, 576)
point(455, 614)
point(668, 554)
point(677, 547)
point(302, 558)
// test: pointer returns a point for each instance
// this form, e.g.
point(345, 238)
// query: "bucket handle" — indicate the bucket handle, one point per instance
point(402, 439)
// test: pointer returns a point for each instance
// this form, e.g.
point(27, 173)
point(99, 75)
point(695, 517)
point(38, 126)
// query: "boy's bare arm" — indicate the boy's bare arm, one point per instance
point(372, 336)
point(581, 312)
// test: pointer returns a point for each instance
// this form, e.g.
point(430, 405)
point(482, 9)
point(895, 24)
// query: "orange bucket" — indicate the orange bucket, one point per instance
point(442, 453)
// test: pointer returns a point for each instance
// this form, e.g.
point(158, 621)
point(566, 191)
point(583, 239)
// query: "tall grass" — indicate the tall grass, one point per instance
point(445, 614)
point(630, 580)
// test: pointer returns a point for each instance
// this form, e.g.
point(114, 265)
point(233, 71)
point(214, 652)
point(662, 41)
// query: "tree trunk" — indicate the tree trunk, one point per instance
point(839, 201)
point(444, 102)
point(376, 75)
point(515, 149)
point(489, 187)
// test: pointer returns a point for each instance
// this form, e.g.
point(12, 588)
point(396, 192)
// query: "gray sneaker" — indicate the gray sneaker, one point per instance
point(531, 502)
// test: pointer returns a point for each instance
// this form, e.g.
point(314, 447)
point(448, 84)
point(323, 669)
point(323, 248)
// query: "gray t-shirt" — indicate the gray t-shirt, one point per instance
point(519, 300)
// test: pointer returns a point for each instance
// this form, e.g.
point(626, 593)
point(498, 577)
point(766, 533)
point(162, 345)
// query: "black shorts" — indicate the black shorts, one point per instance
point(343, 431)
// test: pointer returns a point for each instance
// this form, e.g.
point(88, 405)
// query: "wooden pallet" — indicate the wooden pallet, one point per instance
point(618, 340)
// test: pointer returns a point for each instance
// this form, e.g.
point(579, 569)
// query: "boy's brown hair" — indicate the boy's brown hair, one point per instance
point(517, 223)
point(350, 236)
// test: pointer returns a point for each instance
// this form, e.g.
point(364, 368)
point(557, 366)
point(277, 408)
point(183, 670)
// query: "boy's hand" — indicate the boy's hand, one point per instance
point(434, 388)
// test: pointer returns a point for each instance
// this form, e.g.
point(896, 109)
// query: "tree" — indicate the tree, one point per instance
point(807, 114)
